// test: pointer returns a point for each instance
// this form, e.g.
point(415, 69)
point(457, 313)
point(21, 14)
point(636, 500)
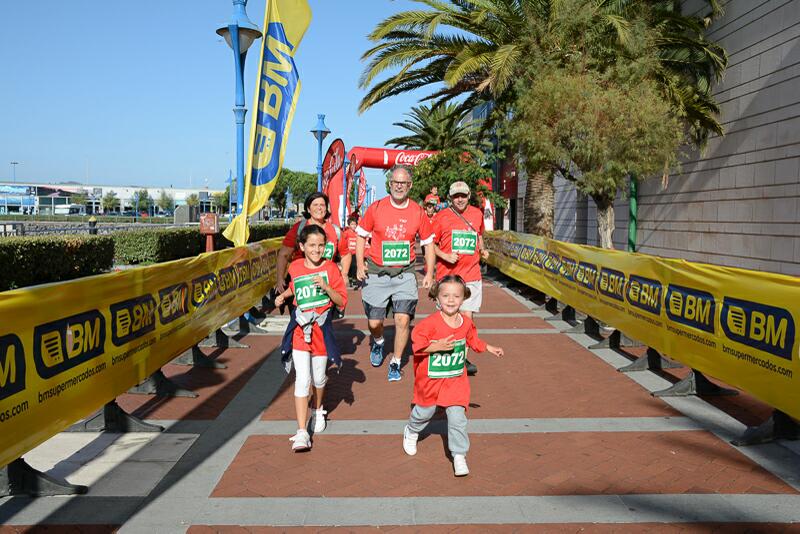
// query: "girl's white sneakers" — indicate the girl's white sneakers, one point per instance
point(301, 441)
point(318, 420)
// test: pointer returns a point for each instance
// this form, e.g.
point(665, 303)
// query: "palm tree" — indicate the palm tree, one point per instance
point(479, 53)
point(476, 56)
point(437, 128)
point(110, 202)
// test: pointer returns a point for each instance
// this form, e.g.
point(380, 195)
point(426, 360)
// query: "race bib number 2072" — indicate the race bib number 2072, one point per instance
point(448, 364)
point(396, 252)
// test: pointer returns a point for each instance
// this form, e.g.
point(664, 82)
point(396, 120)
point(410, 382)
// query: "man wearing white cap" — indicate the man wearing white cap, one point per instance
point(458, 231)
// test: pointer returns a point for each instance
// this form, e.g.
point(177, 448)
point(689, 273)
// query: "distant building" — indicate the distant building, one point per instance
point(56, 199)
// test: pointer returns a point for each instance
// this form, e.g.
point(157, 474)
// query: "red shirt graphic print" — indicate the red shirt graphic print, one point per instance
point(394, 230)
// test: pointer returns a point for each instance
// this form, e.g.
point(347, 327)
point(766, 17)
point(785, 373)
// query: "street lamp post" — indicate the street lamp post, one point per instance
point(14, 171)
point(288, 199)
point(320, 131)
point(239, 33)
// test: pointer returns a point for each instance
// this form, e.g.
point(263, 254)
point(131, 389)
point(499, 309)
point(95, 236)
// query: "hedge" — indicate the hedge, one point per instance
point(157, 245)
point(27, 261)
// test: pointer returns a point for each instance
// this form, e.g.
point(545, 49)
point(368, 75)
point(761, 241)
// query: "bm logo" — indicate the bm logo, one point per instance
point(243, 272)
point(173, 302)
point(612, 284)
point(227, 280)
point(526, 254)
point(12, 366)
point(539, 256)
point(645, 294)
point(568, 268)
point(760, 326)
point(691, 307)
point(258, 268)
point(132, 318)
point(204, 289)
point(586, 275)
point(61, 345)
point(552, 263)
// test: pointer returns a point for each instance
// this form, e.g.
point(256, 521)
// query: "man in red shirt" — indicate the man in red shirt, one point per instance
point(387, 272)
point(459, 247)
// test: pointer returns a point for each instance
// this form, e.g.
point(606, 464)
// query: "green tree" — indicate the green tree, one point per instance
point(487, 45)
point(301, 184)
point(193, 200)
point(437, 128)
point(110, 202)
point(220, 201)
point(165, 201)
point(144, 201)
point(596, 133)
point(79, 198)
point(451, 166)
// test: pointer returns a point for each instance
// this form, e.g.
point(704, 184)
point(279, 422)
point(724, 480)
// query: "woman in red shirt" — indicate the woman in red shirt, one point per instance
point(316, 210)
point(440, 344)
point(317, 285)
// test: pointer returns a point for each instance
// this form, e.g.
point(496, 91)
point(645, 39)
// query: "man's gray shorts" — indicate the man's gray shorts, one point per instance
point(378, 291)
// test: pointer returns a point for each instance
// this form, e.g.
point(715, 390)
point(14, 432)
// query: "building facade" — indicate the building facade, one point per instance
point(57, 199)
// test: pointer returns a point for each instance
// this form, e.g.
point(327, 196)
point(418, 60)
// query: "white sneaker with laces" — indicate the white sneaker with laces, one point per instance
point(410, 441)
point(301, 441)
point(460, 468)
point(318, 420)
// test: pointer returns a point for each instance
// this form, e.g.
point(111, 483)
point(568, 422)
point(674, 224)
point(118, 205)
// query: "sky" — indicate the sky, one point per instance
point(141, 93)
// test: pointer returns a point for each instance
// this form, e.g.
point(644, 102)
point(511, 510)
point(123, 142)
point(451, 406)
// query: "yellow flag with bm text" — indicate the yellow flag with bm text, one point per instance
point(277, 90)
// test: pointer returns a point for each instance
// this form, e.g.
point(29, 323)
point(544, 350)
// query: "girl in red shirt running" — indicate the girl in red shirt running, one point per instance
point(440, 344)
point(317, 285)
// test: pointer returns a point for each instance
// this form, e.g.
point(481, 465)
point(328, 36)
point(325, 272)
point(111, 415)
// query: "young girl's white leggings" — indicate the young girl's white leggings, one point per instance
point(304, 366)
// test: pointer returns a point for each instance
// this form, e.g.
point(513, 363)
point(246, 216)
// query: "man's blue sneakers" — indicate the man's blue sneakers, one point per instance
point(376, 354)
point(394, 372)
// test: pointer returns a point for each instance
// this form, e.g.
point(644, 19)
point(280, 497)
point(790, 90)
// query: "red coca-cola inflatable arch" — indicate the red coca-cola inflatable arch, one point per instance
point(358, 158)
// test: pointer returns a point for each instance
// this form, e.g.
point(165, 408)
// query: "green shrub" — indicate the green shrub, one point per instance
point(27, 261)
point(155, 246)
point(159, 245)
point(259, 232)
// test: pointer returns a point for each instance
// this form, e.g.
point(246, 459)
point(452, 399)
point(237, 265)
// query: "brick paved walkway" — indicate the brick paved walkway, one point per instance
point(561, 442)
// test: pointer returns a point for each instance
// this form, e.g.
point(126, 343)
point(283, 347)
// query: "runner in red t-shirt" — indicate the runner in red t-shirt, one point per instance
point(317, 285)
point(394, 222)
point(459, 247)
point(316, 210)
point(430, 208)
point(440, 344)
point(350, 237)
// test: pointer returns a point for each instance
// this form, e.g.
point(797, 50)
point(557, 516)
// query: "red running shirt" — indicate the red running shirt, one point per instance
point(349, 236)
point(451, 391)
point(451, 230)
point(290, 240)
point(306, 296)
point(394, 231)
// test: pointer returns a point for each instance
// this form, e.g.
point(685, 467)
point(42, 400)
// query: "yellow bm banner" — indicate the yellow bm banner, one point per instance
point(736, 325)
point(68, 348)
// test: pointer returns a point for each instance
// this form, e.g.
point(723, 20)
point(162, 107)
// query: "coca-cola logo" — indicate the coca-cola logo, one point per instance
point(333, 161)
point(333, 164)
point(412, 159)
